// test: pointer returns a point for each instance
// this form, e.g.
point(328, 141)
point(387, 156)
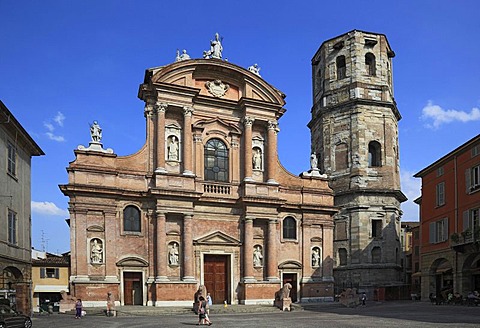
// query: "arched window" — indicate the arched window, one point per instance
point(131, 219)
point(374, 154)
point(289, 228)
point(376, 254)
point(370, 64)
point(341, 68)
point(342, 256)
point(216, 161)
point(341, 156)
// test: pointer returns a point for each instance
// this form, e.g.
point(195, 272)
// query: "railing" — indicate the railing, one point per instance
point(217, 189)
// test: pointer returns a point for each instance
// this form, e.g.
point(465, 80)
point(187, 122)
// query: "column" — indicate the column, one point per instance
point(198, 167)
point(188, 258)
point(150, 114)
point(272, 151)
point(248, 122)
point(161, 258)
point(272, 265)
point(248, 250)
point(161, 108)
point(187, 141)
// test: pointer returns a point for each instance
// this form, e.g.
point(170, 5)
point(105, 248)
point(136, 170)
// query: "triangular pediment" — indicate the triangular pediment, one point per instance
point(216, 124)
point(217, 238)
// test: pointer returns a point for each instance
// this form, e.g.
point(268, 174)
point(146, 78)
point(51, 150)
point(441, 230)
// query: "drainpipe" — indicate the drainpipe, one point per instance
point(455, 254)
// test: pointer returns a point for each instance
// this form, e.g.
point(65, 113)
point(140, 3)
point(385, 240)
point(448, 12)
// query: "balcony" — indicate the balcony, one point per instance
point(466, 242)
point(217, 189)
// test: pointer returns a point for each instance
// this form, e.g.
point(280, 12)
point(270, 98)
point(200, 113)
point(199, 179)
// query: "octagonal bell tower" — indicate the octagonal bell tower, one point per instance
point(354, 132)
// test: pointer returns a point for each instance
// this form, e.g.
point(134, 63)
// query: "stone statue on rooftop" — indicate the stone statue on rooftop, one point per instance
point(183, 56)
point(254, 69)
point(215, 48)
point(96, 132)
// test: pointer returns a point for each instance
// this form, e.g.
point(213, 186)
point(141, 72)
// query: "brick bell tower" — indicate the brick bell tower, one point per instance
point(354, 132)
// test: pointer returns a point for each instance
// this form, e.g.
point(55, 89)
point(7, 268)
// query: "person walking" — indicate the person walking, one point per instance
point(364, 299)
point(209, 303)
point(202, 312)
point(78, 309)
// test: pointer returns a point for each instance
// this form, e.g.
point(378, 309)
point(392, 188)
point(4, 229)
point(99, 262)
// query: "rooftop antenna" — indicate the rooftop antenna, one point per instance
point(44, 242)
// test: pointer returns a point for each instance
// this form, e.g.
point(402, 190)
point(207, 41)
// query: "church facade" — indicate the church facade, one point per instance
point(205, 201)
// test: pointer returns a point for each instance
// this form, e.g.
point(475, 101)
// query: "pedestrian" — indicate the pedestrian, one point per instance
point(110, 305)
point(364, 299)
point(78, 309)
point(209, 303)
point(202, 312)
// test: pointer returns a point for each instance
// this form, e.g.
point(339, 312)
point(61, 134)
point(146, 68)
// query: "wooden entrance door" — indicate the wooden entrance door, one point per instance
point(291, 278)
point(215, 275)
point(132, 288)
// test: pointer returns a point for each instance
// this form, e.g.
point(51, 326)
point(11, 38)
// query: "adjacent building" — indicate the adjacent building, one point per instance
point(17, 149)
point(50, 278)
point(410, 250)
point(354, 132)
point(450, 221)
point(205, 201)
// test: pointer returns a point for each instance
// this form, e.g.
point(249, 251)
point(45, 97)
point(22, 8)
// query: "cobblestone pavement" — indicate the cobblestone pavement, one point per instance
point(388, 314)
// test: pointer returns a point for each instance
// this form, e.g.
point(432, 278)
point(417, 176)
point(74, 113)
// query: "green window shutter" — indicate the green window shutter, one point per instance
point(42, 273)
point(466, 220)
point(432, 232)
point(467, 180)
point(445, 229)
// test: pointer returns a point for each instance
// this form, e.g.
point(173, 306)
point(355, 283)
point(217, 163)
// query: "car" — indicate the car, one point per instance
point(10, 318)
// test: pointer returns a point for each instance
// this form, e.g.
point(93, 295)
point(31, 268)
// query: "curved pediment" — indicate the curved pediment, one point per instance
point(132, 261)
point(217, 79)
point(95, 228)
point(217, 238)
point(290, 265)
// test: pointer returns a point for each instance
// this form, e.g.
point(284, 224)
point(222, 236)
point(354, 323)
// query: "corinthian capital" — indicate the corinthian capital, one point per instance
point(149, 108)
point(248, 120)
point(187, 110)
point(161, 106)
point(273, 125)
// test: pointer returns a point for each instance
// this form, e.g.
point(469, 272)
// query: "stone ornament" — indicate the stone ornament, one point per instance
point(173, 254)
point(173, 148)
point(316, 259)
point(248, 120)
point(254, 69)
point(217, 88)
point(257, 257)
point(96, 138)
point(96, 251)
point(215, 48)
point(183, 56)
point(257, 159)
point(313, 162)
point(95, 132)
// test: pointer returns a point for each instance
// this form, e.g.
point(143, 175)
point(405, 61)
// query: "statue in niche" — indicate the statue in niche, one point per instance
point(257, 159)
point(313, 162)
point(96, 251)
point(315, 257)
point(95, 132)
point(215, 48)
point(173, 255)
point(173, 149)
point(254, 69)
point(257, 257)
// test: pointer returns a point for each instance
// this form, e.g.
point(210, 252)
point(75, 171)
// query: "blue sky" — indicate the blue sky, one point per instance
point(65, 64)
